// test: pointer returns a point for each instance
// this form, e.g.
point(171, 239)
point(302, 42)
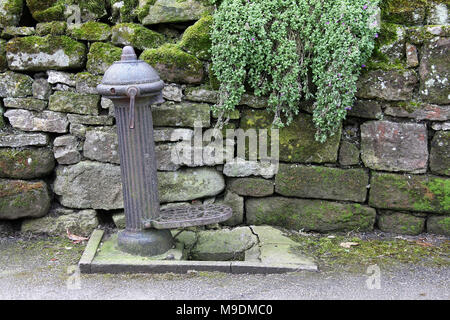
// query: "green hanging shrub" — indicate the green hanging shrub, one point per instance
point(282, 48)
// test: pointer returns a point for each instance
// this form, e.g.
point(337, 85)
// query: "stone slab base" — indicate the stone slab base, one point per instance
point(103, 257)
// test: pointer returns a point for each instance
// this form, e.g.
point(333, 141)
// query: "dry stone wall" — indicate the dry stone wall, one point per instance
point(387, 168)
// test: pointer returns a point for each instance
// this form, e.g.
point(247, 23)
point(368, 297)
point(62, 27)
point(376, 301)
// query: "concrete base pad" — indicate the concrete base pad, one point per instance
point(102, 256)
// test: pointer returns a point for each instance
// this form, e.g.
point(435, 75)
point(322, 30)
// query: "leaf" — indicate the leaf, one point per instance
point(348, 244)
point(424, 244)
point(74, 237)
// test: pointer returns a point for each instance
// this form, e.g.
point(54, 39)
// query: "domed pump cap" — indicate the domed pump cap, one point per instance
point(130, 72)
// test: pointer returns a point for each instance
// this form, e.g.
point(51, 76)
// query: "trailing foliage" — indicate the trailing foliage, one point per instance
point(293, 49)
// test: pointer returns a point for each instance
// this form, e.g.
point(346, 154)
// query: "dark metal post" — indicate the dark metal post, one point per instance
point(133, 86)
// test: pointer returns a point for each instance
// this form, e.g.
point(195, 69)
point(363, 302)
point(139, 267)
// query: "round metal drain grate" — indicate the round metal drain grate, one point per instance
point(189, 216)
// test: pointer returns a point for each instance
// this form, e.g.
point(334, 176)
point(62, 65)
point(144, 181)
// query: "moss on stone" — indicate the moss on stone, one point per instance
point(101, 56)
point(297, 141)
point(26, 164)
point(91, 31)
point(196, 39)
point(136, 35)
point(56, 28)
point(174, 64)
point(48, 44)
point(46, 10)
point(410, 192)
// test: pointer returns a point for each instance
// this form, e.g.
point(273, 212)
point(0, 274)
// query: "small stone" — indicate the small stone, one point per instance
point(26, 163)
point(20, 199)
point(81, 223)
point(106, 103)
point(236, 203)
point(419, 193)
point(89, 184)
point(172, 134)
point(174, 65)
point(47, 121)
point(242, 168)
point(55, 28)
point(309, 215)
point(101, 144)
point(63, 87)
point(164, 157)
point(367, 109)
point(171, 11)
point(322, 182)
point(434, 71)
point(438, 225)
point(223, 245)
point(401, 223)
point(252, 187)
point(349, 153)
point(438, 13)
point(41, 89)
point(183, 114)
point(90, 120)
point(389, 85)
point(119, 220)
point(90, 31)
point(189, 184)
point(25, 103)
point(87, 83)
point(412, 55)
point(172, 92)
point(23, 139)
point(418, 111)
point(74, 103)
point(440, 153)
point(41, 53)
point(135, 35)
point(394, 146)
point(15, 85)
point(66, 149)
point(11, 32)
point(437, 126)
point(61, 77)
point(78, 130)
point(201, 94)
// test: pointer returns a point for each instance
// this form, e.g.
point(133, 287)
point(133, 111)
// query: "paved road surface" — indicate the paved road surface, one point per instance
point(29, 274)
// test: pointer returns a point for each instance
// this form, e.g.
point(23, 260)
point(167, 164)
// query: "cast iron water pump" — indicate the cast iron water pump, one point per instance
point(133, 86)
